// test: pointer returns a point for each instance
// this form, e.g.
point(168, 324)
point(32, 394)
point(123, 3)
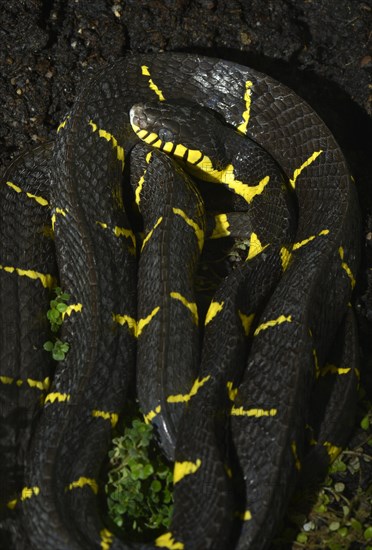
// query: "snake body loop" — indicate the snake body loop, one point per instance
point(267, 333)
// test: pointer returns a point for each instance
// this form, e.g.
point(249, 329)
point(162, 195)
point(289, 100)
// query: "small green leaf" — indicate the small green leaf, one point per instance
point(155, 486)
point(48, 346)
point(302, 538)
point(365, 423)
point(61, 307)
point(58, 355)
point(334, 526)
point(368, 533)
point(355, 524)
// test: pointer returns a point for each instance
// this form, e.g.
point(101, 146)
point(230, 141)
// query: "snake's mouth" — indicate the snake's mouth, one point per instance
point(138, 117)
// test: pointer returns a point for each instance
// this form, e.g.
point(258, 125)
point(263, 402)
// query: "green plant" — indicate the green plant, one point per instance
point(139, 485)
point(58, 306)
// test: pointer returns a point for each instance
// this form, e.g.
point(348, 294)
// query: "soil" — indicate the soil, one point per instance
point(320, 48)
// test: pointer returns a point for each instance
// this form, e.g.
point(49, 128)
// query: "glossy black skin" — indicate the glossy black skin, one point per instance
point(315, 290)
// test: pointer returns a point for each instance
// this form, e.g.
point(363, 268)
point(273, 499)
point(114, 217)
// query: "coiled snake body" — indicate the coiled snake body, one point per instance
point(237, 415)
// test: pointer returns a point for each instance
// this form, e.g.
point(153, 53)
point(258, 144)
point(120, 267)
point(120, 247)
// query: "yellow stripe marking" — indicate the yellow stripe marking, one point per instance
point(273, 322)
point(213, 310)
point(120, 231)
point(149, 234)
point(257, 413)
point(316, 363)
point(247, 98)
point(37, 198)
point(183, 469)
point(255, 246)
point(56, 396)
point(126, 320)
point(38, 384)
point(112, 417)
point(102, 224)
point(246, 321)
point(26, 493)
point(199, 233)
point(332, 369)
point(295, 456)
point(345, 266)
point(221, 226)
point(285, 257)
point(183, 398)
point(106, 539)
point(63, 123)
point(13, 186)
point(151, 415)
point(232, 392)
point(191, 306)
point(153, 86)
point(168, 541)
point(332, 450)
point(135, 326)
point(54, 215)
point(72, 308)
point(304, 165)
point(137, 193)
point(142, 323)
point(110, 138)
point(298, 245)
point(141, 181)
point(82, 482)
point(48, 281)
point(11, 504)
point(202, 166)
point(245, 516)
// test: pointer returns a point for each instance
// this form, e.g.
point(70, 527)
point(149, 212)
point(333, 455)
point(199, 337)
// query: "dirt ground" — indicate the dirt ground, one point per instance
point(320, 48)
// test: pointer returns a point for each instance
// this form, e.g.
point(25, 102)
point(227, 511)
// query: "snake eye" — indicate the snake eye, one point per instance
point(166, 135)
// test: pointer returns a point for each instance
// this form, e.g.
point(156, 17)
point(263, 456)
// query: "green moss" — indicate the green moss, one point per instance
point(139, 485)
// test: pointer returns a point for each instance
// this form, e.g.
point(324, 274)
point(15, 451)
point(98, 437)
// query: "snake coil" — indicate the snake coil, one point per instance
point(234, 418)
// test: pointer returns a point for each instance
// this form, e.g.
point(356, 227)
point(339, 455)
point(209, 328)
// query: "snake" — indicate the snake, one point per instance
point(233, 419)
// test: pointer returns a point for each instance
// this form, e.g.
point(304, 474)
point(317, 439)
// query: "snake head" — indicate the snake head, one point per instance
point(179, 127)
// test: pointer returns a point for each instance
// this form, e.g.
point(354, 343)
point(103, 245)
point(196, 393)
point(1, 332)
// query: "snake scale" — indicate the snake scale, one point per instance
point(231, 413)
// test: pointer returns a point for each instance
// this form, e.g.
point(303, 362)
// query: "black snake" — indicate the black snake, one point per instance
point(268, 331)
